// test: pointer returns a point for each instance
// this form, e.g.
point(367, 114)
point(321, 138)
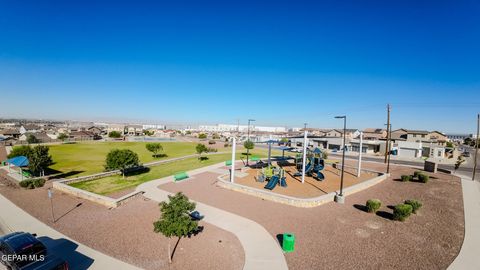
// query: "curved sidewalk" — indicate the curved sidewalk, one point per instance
point(468, 257)
point(78, 256)
point(261, 249)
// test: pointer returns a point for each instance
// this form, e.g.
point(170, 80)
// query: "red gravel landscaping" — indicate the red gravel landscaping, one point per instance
point(335, 236)
point(127, 232)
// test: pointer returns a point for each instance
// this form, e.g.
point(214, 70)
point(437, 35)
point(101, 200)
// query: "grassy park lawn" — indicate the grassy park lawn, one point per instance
point(79, 159)
point(111, 184)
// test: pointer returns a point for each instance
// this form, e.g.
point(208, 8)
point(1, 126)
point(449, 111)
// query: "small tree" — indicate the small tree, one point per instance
point(201, 148)
point(202, 136)
point(154, 148)
point(215, 136)
point(449, 144)
point(121, 159)
point(114, 134)
point(459, 162)
point(249, 145)
point(23, 150)
point(32, 139)
point(175, 220)
point(62, 136)
point(39, 159)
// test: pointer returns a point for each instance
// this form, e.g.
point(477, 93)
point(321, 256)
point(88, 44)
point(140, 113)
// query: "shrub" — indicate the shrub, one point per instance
point(416, 174)
point(32, 183)
point(39, 182)
point(415, 205)
point(423, 178)
point(406, 178)
point(26, 183)
point(373, 205)
point(226, 145)
point(211, 150)
point(402, 211)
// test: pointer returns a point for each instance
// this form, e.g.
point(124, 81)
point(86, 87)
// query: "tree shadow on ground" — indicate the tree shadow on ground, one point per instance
point(160, 155)
point(137, 171)
point(391, 207)
point(65, 175)
point(361, 207)
point(385, 215)
point(203, 158)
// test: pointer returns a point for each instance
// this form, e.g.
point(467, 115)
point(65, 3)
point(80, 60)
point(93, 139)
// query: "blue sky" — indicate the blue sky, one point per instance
point(279, 62)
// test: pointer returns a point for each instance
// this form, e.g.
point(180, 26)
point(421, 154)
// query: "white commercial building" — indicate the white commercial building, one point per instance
point(239, 128)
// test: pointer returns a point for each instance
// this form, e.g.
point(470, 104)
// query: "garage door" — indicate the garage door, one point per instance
point(407, 152)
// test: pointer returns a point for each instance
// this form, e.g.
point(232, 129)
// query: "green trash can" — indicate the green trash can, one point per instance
point(288, 244)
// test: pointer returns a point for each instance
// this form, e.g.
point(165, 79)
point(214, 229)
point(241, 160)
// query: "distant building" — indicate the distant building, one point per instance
point(458, 137)
point(239, 128)
point(374, 134)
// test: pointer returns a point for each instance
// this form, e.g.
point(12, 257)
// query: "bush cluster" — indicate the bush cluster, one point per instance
point(402, 211)
point(415, 205)
point(406, 178)
point(373, 205)
point(423, 178)
point(32, 183)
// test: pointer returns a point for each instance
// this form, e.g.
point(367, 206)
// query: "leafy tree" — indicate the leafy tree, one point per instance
point(449, 144)
point(39, 159)
point(284, 140)
point(249, 145)
point(121, 159)
point(23, 150)
point(202, 136)
point(459, 162)
point(32, 139)
point(175, 220)
point(154, 148)
point(216, 136)
point(188, 132)
point(62, 136)
point(201, 148)
point(114, 134)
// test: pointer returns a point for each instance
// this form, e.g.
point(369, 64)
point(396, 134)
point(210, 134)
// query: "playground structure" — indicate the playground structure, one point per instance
point(274, 176)
point(314, 166)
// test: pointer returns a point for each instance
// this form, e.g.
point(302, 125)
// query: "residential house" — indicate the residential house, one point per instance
point(437, 137)
point(374, 134)
point(399, 134)
point(134, 130)
point(29, 128)
point(95, 130)
point(116, 127)
point(11, 132)
point(83, 135)
point(40, 136)
point(332, 133)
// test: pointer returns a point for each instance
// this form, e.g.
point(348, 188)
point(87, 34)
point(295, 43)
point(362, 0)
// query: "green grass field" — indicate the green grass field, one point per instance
point(111, 184)
point(89, 157)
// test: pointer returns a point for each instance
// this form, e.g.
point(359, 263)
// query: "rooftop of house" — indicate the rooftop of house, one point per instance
point(374, 130)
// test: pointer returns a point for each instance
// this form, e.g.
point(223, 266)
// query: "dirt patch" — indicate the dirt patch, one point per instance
point(334, 236)
point(127, 233)
point(312, 187)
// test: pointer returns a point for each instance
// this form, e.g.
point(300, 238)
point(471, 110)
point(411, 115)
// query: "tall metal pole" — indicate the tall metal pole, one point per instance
point(343, 157)
point(360, 155)
point(232, 173)
point(477, 140)
point(304, 153)
point(388, 131)
point(248, 137)
point(389, 148)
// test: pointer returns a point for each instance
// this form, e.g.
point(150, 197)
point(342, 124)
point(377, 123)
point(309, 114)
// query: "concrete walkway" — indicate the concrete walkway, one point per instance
point(262, 251)
point(78, 256)
point(468, 258)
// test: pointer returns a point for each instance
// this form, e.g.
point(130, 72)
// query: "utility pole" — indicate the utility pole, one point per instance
point(477, 139)
point(387, 146)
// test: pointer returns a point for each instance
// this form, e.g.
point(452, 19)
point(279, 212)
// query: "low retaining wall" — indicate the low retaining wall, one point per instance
point(299, 202)
point(90, 196)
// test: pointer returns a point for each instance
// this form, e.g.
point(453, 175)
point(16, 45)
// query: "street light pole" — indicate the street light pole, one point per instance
point(304, 151)
point(339, 197)
point(248, 136)
point(477, 140)
point(389, 147)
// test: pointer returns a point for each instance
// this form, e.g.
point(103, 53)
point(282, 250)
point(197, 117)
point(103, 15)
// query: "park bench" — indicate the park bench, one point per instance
point(180, 176)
